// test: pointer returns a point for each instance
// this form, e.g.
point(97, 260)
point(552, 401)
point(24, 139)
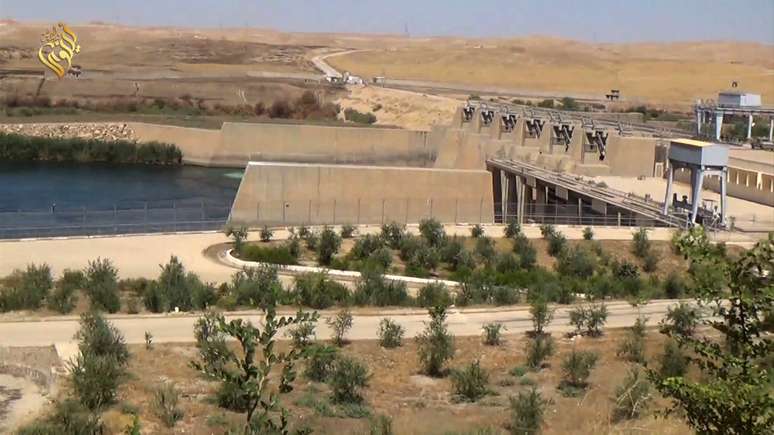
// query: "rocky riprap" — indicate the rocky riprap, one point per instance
point(97, 130)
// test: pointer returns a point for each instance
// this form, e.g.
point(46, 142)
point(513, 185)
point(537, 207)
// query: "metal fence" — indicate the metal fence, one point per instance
point(126, 218)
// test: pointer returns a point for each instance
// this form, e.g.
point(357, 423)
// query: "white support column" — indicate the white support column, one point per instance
point(718, 124)
point(670, 179)
point(698, 120)
point(723, 191)
point(698, 180)
point(771, 129)
point(749, 126)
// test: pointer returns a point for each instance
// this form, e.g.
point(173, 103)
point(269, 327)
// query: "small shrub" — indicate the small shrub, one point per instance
point(393, 233)
point(547, 230)
point(97, 336)
point(311, 241)
point(95, 379)
point(257, 287)
point(381, 425)
point(588, 233)
point(589, 320)
point(319, 363)
point(641, 243)
point(673, 363)
point(239, 234)
point(353, 115)
point(625, 270)
point(538, 350)
point(330, 242)
point(340, 324)
point(229, 396)
point(485, 249)
point(476, 231)
point(148, 340)
point(650, 262)
point(434, 294)
point(631, 397)
point(681, 320)
point(518, 371)
point(303, 334)
point(165, 405)
point(435, 344)
point(470, 383)
point(281, 255)
point(576, 369)
point(304, 232)
point(373, 289)
point(674, 286)
point(210, 342)
point(512, 229)
point(632, 348)
point(541, 315)
point(526, 252)
point(177, 290)
point(557, 243)
point(390, 333)
point(27, 289)
point(432, 231)
point(102, 285)
point(347, 231)
point(504, 295)
point(69, 417)
point(527, 410)
point(506, 263)
point(266, 234)
point(346, 380)
point(578, 262)
point(365, 246)
point(318, 291)
point(493, 334)
point(64, 298)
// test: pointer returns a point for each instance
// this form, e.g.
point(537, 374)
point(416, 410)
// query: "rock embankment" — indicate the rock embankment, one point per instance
point(108, 131)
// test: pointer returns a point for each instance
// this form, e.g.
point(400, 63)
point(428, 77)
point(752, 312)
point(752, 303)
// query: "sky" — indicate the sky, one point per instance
point(587, 20)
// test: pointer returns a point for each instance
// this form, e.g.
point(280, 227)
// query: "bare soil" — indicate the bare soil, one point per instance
point(417, 404)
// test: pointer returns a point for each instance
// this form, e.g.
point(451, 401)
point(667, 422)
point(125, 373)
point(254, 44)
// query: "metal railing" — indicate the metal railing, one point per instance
point(131, 218)
point(570, 214)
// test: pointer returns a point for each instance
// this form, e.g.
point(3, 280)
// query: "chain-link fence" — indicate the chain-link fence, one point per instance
point(124, 218)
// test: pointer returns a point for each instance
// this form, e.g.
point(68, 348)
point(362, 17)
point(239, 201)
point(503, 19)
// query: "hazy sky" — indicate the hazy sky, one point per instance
point(590, 20)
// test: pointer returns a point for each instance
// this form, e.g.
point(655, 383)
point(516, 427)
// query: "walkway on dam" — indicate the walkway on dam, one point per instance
point(646, 211)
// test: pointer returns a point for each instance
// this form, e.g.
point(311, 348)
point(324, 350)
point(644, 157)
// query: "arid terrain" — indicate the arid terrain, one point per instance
point(671, 74)
point(248, 66)
point(417, 404)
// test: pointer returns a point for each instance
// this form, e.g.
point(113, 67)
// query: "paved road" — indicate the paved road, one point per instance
point(179, 328)
point(139, 256)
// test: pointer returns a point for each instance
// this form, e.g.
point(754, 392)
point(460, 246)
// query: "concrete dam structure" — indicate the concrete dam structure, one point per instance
point(316, 194)
point(307, 174)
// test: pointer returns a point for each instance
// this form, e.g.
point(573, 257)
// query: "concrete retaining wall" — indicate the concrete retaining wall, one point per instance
point(297, 193)
point(744, 184)
point(237, 143)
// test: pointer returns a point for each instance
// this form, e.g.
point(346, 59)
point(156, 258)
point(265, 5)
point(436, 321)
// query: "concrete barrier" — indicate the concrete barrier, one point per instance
point(313, 194)
point(237, 143)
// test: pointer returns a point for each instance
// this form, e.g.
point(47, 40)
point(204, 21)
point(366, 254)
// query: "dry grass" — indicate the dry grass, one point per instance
point(664, 73)
point(417, 404)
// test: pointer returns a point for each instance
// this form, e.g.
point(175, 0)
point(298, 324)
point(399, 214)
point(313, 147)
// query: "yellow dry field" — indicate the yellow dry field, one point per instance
point(674, 73)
